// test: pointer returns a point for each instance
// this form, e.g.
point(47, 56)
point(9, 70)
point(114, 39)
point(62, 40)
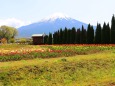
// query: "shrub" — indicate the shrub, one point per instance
point(4, 41)
point(63, 59)
point(12, 40)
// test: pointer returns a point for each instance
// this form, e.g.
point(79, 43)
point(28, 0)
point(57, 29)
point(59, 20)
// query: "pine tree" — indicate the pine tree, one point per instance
point(73, 35)
point(46, 39)
point(105, 34)
point(50, 38)
point(65, 36)
point(98, 34)
point(83, 36)
point(113, 30)
point(54, 38)
point(61, 36)
point(108, 34)
point(69, 37)
point(58, 37)
point(90, 34)
point(78, 36)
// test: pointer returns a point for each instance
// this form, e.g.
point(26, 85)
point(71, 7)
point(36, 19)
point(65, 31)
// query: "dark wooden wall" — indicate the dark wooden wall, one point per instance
point(37, 40)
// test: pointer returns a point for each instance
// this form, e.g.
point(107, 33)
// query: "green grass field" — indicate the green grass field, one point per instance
point(62, 65)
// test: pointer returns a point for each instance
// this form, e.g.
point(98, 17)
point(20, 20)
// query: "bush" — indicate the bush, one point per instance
point(63, 60)
point(4, 41)
point(12, 40)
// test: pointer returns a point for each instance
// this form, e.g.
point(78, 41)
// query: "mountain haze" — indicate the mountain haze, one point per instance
point(50, 24)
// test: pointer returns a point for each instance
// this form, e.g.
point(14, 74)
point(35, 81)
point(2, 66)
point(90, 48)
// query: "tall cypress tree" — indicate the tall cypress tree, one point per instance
point(65, 36)
point(90, 34)
point(55, 38)
point(83, 36)
point(69, 36)
point(98, 34)
point(113, 30)
point(58, 37)
point(50, 38)
point(106, 34)
point(73, 35)
point(46, 39)
point(78, 36)
point(61, 36)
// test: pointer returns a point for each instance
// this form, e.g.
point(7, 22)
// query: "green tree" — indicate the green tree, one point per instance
point(69, 37)
point(73, 35)
point(98, 34)
point(7, 32)
point(54, 38)
point(78, 36)
point(90, 34)
point(113, 30)
point(65, 33)
point(106, 34)
point(58, 37)
point(103, 39)
point(61, 36)
point(83, 36)
point(50, 38)
point(46, 39)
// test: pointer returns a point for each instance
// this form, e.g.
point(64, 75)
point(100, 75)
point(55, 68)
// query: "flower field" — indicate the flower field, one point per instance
point(19, 52)
point(57, 65)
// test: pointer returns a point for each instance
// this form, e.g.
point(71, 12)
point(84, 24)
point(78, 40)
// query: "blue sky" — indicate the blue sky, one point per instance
point(20, 12)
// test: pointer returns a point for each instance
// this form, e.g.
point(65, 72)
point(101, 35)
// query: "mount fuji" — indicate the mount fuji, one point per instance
point(50, 24)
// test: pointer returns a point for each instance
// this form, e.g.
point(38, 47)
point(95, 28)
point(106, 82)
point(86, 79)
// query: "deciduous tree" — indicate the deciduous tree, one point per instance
point(7, 32)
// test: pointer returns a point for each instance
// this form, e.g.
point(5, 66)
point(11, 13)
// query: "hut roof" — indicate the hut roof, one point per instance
point(34, 35)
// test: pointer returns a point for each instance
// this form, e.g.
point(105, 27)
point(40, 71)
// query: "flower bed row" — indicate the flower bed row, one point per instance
point(51, 52)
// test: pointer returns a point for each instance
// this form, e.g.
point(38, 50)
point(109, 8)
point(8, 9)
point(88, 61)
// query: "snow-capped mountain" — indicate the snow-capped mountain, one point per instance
point(50, 24)
point(55, 16)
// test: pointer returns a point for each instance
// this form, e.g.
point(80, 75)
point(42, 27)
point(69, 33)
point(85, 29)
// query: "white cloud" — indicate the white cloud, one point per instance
point(14, 22)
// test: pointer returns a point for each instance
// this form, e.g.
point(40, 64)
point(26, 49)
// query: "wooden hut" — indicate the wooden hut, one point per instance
point(38, 39)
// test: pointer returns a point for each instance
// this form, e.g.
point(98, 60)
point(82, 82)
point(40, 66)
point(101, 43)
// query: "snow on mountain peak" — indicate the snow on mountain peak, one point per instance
point(56, 16)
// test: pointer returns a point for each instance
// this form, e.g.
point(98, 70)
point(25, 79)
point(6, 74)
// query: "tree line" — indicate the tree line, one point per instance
point(100, 35)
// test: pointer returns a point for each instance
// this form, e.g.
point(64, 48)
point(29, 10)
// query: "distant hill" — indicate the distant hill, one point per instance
point(50, 24)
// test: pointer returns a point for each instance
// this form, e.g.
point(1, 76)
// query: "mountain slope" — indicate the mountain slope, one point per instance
point(50, 24)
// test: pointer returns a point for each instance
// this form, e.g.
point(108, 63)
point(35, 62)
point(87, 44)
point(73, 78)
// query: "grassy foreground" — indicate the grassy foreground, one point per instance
point(97, 69)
